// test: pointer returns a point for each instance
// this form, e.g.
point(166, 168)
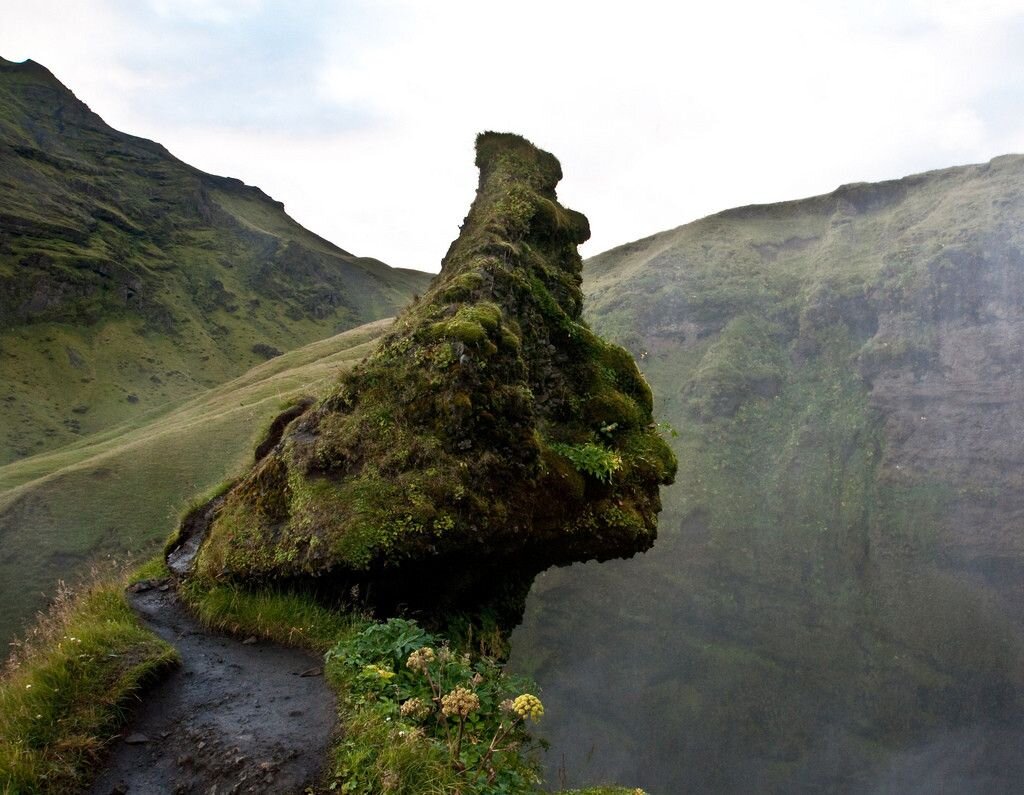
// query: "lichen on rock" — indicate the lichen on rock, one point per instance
point(491, 434)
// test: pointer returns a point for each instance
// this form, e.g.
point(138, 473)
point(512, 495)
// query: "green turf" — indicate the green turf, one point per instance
point(66, 691)
point(120, 491)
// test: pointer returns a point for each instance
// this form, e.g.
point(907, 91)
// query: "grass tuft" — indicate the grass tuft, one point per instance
point(286, 617)
point(67, 686)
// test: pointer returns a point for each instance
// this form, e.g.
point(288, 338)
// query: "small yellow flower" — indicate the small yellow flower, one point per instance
point(415, 708)
point(378, 671)
point(528, 706)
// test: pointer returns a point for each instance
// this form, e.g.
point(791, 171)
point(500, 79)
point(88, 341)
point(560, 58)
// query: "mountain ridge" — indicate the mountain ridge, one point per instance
point(129, 278)
point(841, 191)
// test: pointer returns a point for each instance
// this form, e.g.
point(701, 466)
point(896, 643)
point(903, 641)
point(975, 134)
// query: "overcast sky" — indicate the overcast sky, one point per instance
point(360, 116)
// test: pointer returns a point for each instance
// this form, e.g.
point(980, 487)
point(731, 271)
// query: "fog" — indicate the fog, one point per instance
point(834, 603)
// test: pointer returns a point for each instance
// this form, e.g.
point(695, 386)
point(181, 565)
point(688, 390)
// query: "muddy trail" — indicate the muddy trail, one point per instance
point(236, 717)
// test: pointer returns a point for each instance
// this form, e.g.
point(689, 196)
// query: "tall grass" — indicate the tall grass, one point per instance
point(283, 616)
point(67, 686)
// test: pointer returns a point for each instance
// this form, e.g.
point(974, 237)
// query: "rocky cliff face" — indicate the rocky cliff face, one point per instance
point(128, 278)
point(841, 578)
point(924, 275)
point(491, 435)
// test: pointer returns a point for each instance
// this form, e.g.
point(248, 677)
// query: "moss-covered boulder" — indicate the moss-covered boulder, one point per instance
point(491, 435)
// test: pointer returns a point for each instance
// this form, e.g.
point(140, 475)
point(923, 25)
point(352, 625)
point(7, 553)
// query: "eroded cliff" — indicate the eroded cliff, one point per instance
point(490, 436)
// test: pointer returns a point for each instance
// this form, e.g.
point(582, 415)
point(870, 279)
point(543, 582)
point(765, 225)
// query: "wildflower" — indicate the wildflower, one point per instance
point(415, 708)
point(378, 671)
point(420, 659)
point(460, 702)
point(528, 706)
point(507, 706)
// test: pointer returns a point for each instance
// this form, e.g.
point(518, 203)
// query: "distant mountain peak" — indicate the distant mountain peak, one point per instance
point(107, 238)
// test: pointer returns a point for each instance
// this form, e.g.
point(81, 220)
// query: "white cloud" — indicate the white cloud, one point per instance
point(659, 112)
point(218, 12)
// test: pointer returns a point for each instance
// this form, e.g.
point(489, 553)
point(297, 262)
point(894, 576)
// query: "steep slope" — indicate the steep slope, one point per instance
point(837, 591)
point(492, 434)
point(120, 491)
point(924, 276)
point(128, 278)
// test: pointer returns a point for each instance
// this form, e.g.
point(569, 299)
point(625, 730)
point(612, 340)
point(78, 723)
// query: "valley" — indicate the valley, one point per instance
point(833, 601)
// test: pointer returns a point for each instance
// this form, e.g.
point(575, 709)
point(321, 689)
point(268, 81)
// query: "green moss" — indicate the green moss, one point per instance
point(430, 450)
point(463, 287)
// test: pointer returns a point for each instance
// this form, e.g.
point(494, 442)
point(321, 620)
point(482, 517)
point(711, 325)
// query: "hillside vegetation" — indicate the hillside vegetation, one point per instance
point(834, 601)
point(121, 491)
point(129, 279)
point(837, 588)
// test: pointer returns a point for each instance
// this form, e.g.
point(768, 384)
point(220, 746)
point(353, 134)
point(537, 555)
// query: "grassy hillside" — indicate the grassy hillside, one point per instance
point(837, 580)
point(129, 279)
point(121, 491)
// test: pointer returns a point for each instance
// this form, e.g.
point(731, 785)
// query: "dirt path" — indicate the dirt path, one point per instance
point(238, 716)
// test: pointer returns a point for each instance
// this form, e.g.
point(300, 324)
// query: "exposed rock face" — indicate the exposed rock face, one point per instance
point(490, 436)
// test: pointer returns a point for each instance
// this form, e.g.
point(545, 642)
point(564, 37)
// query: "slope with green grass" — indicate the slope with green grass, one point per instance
point(121, 491)
point(129, 279)
point(534, 434)
point(66, 689)
point(838, 580)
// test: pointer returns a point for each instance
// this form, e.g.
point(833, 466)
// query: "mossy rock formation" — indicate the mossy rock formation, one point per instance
point(491, 435)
